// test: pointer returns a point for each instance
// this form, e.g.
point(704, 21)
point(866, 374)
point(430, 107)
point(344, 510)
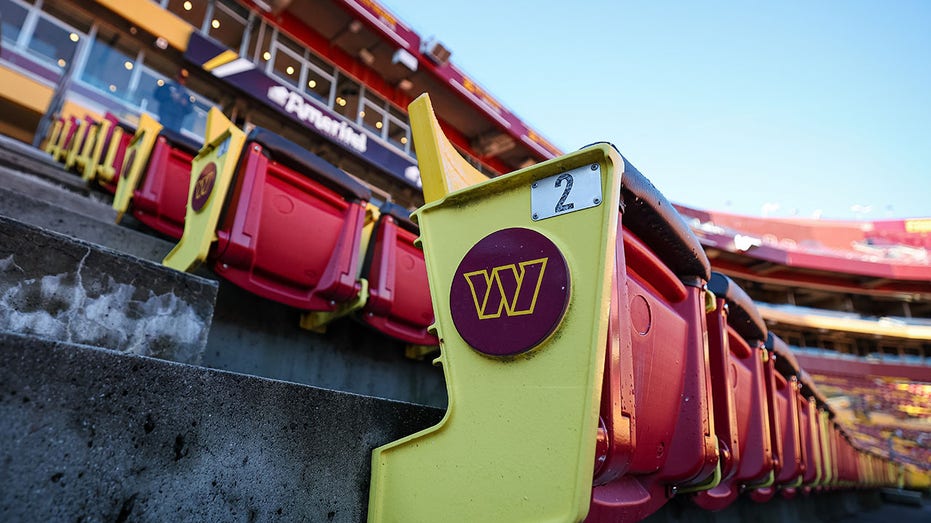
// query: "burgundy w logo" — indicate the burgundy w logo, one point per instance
point(512, 288)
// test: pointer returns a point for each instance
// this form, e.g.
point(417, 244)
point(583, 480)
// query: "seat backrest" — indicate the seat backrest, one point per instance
point(291, 226)
point(523, 408)
point(399, 302)
point(160, 198)
point(135, 160)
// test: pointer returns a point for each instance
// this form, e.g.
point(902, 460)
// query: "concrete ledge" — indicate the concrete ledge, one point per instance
point(61, 217)
point(95, 435)
point(23, 157)
point(65, 289)
point(902, 496)
point(92, 205)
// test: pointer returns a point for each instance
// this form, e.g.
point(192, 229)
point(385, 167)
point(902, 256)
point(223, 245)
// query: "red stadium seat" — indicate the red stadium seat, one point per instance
point(399, 302)
point(737, 353)
point(661, 329)
point(810, 424)
point(292, 226)
point(160, 199)
point(788, 402)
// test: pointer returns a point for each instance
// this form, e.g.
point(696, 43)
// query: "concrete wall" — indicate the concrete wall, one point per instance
point(260, 337)
point(65, 289)
point(95, 435)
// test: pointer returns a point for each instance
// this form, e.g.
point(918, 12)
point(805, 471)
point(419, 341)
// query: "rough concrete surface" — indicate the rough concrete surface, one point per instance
point(65, 289)
point(95, 205)
point(256, 336)
point(95, 435)
point(23, 157)
point(56, 217)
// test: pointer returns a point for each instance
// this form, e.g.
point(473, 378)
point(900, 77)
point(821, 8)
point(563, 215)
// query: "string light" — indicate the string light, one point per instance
point(215, 23)
point(128, 65)
point(74, 37)
point(188, 6)
point(312, 84)
point(266, 56)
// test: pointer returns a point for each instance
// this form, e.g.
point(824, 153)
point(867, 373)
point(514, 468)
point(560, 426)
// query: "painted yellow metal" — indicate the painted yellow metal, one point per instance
point(223, 58)
point(80, 137)
point(105, 169)
point(135, 160)
point(317, 321)
point(51, 144)
point(92, 162)
point(518, 439)
point(451, 172)
point(155, 20)
point(60, 149)
point(223, 145)
point(87, 148)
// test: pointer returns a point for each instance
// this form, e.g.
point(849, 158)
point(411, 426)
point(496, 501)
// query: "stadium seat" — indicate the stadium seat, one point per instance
point(106, 160)
point(160, 198)
point(84, 135)
point(399, 302)
point(788, 401)
point(287, 223)
point(518, 440)
point(810, 422)
point(665, 270)
point(82, 148)
point(738, 353)
point(136, 158)
point(54, 135)
point(292, 229)
point(59, 149)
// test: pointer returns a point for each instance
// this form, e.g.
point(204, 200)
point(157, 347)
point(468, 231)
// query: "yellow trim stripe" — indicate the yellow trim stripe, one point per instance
point(223, 58)
point(151, 17)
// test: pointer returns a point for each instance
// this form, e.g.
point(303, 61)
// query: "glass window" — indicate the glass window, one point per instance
point(399, 132)
point(347, 97)
point(228, 24)
point(286, 65)
point(54, 42)
point(144, 95)
point(14, 16)
point(319, 85)
point(260, 44)
point(319, 78)
point(110, 66)
point(372, 118)
point(191, 11)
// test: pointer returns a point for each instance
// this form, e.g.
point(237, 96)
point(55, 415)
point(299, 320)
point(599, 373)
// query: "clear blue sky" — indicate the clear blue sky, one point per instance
point(732, 106)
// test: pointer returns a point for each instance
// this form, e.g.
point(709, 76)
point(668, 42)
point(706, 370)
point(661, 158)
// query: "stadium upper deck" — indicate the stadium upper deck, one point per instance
point(334, 76)
point(853, 299)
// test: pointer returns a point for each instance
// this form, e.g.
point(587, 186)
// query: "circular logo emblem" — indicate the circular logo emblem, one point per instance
point(203, 186)
point(510, 292)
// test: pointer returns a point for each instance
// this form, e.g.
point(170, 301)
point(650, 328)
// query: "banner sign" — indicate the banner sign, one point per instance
point(303, 109)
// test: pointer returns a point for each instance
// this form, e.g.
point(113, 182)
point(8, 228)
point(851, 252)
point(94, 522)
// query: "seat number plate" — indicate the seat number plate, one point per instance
point(566, 192)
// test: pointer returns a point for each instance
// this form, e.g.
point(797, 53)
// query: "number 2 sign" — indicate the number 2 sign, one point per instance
point(573, 190)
